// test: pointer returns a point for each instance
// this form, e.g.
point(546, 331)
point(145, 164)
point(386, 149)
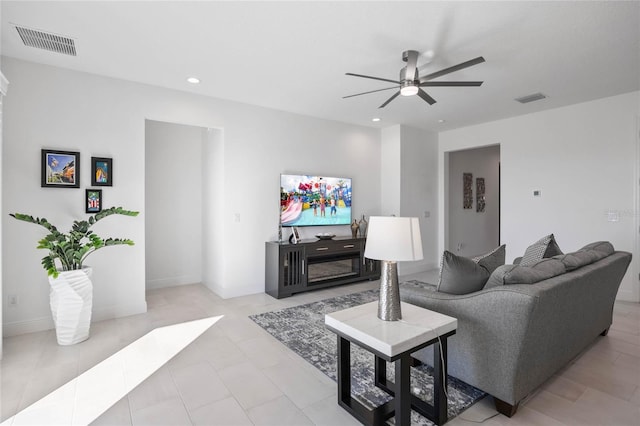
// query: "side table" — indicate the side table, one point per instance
point(393, 341)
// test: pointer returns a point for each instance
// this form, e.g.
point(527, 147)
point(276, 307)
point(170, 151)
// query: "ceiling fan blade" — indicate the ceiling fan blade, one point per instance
point(390, 99)
point(426, 97)
point(454, 68)
point(451, 83)
point(372, 78)
point(412, 61)
point(372, 91)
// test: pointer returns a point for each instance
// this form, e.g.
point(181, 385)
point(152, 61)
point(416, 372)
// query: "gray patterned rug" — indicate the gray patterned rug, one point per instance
point(301, 329)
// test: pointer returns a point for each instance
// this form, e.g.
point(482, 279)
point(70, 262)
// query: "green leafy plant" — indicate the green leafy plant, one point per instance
point(73, 248)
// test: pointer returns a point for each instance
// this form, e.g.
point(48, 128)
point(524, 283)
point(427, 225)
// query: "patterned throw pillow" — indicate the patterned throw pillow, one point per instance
point(493, 259)
point(553, 249)
point(541, 249)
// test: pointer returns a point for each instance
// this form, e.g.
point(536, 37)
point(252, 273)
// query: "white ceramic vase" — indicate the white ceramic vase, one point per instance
point(71, 299)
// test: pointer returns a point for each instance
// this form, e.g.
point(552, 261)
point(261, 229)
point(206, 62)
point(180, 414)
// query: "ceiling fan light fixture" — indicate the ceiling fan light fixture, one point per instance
point(409, 90)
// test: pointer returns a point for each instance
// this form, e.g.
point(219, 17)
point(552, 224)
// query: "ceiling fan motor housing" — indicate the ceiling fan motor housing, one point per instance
point(405, 54)
point(403, 80)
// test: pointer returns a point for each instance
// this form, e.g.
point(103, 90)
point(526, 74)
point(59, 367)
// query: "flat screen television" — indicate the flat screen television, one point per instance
point(314, 200)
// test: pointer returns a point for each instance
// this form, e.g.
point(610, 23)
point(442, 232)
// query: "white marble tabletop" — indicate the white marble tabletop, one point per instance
point(418, 325)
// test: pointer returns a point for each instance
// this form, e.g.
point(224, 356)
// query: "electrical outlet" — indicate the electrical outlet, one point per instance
point(13, 300)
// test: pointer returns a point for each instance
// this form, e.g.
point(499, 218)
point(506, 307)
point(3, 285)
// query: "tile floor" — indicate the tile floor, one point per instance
point(237, 374)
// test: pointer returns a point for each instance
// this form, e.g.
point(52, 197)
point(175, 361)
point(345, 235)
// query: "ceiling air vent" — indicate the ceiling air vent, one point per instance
point(531, 98)
point(47, 41)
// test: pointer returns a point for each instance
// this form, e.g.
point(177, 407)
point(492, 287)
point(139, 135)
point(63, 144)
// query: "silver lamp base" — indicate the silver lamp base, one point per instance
point(389, 303)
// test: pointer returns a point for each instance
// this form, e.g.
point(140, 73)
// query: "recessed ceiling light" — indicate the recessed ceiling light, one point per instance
point(375, 119)
point(193, 80)
point(441, 121)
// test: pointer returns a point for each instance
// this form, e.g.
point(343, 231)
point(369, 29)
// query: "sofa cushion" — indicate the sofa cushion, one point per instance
point(543, 248)
point(493, 259)
point(577, 259)
point(518, 274)
point(497, 276)
point(460, 275)
point(603, 247)
point(544, 269)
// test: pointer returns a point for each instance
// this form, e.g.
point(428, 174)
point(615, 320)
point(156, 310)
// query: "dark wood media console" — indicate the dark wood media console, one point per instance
point(313, 264)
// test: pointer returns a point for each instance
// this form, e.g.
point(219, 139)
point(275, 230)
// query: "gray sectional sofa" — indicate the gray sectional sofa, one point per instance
point(512, 337)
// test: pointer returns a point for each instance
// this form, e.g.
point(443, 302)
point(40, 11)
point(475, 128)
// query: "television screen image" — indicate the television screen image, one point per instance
point(314, 200)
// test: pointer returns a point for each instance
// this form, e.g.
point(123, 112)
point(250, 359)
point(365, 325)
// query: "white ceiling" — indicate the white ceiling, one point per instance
point(293, 56)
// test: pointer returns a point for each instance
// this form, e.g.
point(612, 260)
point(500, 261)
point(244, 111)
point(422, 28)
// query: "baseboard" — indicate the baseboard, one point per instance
point(118, 311)
point(46, 323)
point(29, 326)
point(409, 268)
point(627, 296)
point(173, 281)
point(228, 293)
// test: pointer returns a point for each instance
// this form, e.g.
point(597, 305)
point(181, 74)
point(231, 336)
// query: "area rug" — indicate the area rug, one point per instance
point(301, 329)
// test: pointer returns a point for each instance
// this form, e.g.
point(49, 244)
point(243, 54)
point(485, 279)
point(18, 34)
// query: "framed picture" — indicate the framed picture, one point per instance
point(101, 171)
point(93, 200)
point(467, 190)
point(60, 169)
point(480, 198)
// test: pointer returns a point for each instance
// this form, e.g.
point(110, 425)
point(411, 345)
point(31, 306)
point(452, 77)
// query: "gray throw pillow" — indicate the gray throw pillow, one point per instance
point(493, 259)
point(461, 275)
point(541, 249)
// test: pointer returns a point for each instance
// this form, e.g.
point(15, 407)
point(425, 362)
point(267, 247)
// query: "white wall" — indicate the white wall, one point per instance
point(3, 91)
point(408, 186)
point(419, 176)
point(173, 204)
point(474, 232)
point(59, 108)
point(582, 157)
point(390, 177)
point(213, 233)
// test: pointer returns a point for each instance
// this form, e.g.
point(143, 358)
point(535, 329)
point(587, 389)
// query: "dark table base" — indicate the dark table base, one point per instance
point(402, 403)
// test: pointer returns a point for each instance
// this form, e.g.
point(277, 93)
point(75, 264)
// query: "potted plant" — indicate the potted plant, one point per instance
point(71, 292)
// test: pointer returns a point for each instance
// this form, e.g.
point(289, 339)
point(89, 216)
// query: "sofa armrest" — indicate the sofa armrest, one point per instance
point(492, 327)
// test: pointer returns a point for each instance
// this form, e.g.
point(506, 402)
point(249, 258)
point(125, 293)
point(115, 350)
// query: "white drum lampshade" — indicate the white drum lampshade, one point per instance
point(392, 239)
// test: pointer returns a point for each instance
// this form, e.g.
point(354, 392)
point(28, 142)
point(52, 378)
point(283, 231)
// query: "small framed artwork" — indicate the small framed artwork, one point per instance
point(60, 169)
point(101, 171)
point(93, 200)
point(480, 198)
point(467, 190)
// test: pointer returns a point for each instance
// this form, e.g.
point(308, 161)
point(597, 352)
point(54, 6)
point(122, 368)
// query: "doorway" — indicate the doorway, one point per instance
point(182, 170)
point(473, 200)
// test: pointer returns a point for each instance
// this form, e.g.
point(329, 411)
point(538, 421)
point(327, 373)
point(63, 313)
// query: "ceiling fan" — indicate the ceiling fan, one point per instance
point(410, 82)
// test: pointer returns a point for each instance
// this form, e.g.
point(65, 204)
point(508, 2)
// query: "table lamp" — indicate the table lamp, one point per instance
point(390, 240)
